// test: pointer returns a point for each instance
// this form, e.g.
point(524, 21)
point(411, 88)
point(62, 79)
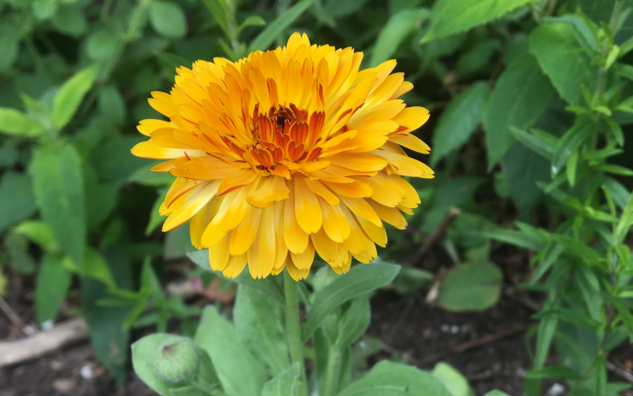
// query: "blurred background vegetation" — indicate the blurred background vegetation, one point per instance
point(518, 90)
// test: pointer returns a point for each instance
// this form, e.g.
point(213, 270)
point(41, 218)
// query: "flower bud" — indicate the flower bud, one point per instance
point(176, 360)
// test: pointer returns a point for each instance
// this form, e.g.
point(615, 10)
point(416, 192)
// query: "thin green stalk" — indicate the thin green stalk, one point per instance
point(293, 330)
point(331, 374)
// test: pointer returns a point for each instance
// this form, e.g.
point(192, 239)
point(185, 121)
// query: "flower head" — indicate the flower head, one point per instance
point(285, 153)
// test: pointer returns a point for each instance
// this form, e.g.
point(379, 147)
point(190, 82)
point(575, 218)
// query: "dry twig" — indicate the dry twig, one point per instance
point(435, 235)
point(13, 317)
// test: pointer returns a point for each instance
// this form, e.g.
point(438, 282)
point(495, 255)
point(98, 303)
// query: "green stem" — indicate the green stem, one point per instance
point(331, 374)
point(293, 331)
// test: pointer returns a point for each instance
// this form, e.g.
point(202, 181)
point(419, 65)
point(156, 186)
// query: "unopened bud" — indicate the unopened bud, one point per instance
point(176, 360)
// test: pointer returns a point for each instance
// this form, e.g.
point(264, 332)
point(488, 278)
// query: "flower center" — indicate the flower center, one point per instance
point(283, 135)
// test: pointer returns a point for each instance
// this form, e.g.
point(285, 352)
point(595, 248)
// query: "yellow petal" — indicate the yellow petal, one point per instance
point(304, 260)
point(219, 254)
point(335, 223)
point(295, 238)
point(362, 209)
point(389, 215)
point(243, 236)
point(358, 189)
point(324, 246)
point(151, 150)
point(235, 266)
point(189, 204)
point(319, 189)
point(411, 142)
point(296, 273)
point(412, 117)
point(261, 254)
point(146, 127)
point(377, 234)
point(281, 250)
point(307, 207)
point(272, 189)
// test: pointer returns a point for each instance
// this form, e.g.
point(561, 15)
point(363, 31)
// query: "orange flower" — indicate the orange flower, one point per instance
point(285, 153)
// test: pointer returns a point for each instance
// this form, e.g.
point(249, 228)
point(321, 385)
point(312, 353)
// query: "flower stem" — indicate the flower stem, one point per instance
point(331, 374)
point(293, 330)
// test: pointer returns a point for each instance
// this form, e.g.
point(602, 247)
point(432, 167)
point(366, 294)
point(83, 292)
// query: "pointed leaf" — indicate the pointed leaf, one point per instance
point(14, 122)
point(71, 94)
point(279, 25)
point(51, 286)
point(284, 383)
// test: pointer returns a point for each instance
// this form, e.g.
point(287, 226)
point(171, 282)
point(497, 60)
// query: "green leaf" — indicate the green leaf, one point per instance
point(257, 326)
point(51, 286)
point(59, 192)
point(143, 352)
point(458, 121)
point(38, 232)
point(14, 122)
point(471, 287)
point(411, 280)
point(108, 338)
point(101, 198)
point(44, 9)
point(454, 381)
point(496, 393)
point(571, 316)
point(524, 168)
point(569, 143)
point(354, 321)
point(17, 248)
point(393, 379)
point(94, 266)
point(518, 100)
point(398, 27)
point(12, 210)
point(267, 286)
point(111, 104)
point(155, 218)
point(168, 19)
point(564, 61)
point(69, 19)
point(9, 48)
point(253, 20)
point(534, 142)
point(279, 25)
point(359, 280)
point(337, 9)
point(102, 45)
point(70, 95)
point(559, 372)
point(453, 16)
point(284, 383)
point(239, 372)
point(221, 14)
point(113, 160)
point(573, 246)
point(516, 238)
point(477, 59)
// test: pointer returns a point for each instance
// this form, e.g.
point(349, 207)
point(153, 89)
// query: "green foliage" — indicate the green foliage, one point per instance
point(471, 287)
point(51, 286)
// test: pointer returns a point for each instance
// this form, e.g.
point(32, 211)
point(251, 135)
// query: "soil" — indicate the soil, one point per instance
point(487, 347)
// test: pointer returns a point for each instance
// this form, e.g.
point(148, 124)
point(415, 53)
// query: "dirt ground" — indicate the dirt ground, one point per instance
point(487, 347)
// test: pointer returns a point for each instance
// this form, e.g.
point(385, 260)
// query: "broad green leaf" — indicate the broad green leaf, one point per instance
point(454, 381)
point(71, 94)
point(17, 201)
point(284, 383)
point(453, 16)
point(69, 19)
point(559, 372)
point(545, 334)
point(496, 393)
point(258, 327)
point(14, 122)
point(398, 27)
point(359, 280)
point(111, 104)
point(411, 279)
point(471, 287)
point(113, 160)
point(519, 98)
point(17, 247)
point(267, 286)
point(9, 48)
point(221, 13)
point(59, 192)
point(44, 9)
point(393, 379)
point(564, 61)
point(109, 339)
point(477, 59)
point(168, 19)
point(143, 352)
point(458, 121)
point(39, 233)
point(101, 198)
point(239, 371)
point(354, 321)
point(524, 168)
point(102, 45)
point(94, 266)
point(51, 286)
point(279, 25)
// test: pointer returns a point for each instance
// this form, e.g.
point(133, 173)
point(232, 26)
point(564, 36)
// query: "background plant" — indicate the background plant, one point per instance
point(531, 106)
